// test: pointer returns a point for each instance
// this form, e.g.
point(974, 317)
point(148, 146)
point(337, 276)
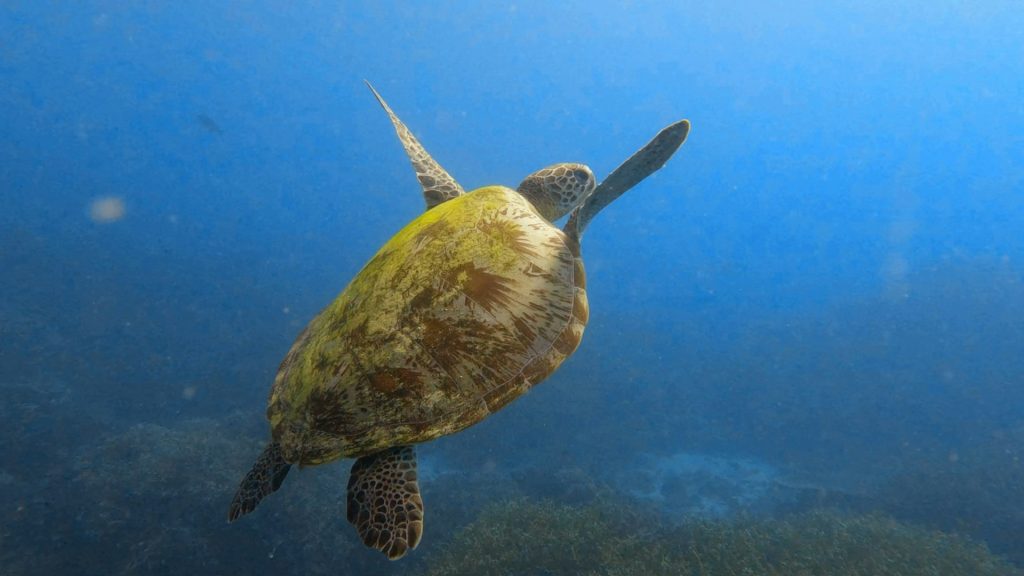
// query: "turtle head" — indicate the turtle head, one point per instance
point(557, 189)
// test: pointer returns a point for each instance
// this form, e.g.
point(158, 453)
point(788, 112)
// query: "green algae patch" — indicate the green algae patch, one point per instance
point(523, 537)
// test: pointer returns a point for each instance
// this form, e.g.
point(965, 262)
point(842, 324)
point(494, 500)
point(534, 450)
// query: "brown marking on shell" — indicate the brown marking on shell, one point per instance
point(431, 232)
point(400, 381)
point(484, 288)
point(422, 300)
point(463, 311)
point(325, 411)
point(436, 333)
point(536, 271)
point(507, 233)
point(525, 329)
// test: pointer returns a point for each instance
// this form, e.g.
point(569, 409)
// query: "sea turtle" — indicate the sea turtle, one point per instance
point(462, 311)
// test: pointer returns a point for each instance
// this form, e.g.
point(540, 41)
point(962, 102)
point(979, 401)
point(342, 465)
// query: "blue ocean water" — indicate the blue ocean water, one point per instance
point(817, 302)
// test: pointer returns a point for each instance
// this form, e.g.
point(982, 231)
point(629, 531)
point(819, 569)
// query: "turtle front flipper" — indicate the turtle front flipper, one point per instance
point(384, 502)
point(438, 185)
point(640, 165)
point(266, 476)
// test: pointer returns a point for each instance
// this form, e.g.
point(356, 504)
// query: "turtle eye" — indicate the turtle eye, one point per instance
point(582, 175)
point(584, 179)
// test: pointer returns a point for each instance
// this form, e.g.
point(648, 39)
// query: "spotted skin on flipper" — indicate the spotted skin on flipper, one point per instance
point(384, 502)
point(438, 185)
point(265, 477)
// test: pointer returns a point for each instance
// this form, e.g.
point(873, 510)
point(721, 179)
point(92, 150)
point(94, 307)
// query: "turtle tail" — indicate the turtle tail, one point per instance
point(266, 476)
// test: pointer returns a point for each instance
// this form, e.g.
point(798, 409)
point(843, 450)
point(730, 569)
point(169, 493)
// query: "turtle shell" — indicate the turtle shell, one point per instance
point(462, 311)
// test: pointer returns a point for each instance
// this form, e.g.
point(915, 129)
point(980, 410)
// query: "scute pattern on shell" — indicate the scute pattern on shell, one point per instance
point(462, 311)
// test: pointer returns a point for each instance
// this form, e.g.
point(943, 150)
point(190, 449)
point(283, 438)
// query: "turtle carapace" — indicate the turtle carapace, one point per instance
point(465, 309)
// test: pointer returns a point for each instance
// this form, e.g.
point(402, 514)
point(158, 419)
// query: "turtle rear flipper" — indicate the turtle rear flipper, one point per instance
point(266, 476)
point(384, 502)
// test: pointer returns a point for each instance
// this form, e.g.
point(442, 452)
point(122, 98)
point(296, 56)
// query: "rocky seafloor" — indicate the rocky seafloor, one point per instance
point(82, 496)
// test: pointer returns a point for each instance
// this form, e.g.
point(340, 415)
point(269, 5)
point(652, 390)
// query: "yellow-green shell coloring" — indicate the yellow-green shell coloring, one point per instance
point(462, 311)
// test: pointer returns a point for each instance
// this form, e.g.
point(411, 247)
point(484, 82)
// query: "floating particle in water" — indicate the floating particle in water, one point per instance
point(106, 209)
point(209, 124)
point(189, 392)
